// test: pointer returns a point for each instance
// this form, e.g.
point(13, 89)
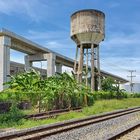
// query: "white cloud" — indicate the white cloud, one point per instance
point(46, 35)
point(63, 48)
point(121, 39)
point(121, 66)
point(32, 9)
point(57, 45)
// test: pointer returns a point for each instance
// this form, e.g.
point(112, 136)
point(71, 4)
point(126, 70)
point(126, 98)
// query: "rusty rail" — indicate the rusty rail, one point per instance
point(51, 114)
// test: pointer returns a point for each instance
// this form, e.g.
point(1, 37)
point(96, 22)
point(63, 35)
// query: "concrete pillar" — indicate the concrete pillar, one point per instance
point(98, 67)
point(58, 68)
point(51, 64)
point(75, 62)
point(5, 43)
point(28, 63)
point(92, 68)
point(80, 65)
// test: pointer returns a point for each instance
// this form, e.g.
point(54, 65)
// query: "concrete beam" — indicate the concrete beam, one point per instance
point(38, 57)
point(19, 46)
point(5, 43)
point(24, 45)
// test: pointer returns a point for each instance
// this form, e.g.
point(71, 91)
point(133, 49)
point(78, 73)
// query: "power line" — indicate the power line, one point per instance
point(113, 65)
point(131, 79)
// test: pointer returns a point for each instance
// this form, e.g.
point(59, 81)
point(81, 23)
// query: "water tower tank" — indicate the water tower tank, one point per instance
point(87, 26)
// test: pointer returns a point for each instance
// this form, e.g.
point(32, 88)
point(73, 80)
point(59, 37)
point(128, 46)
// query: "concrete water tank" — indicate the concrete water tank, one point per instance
point(88, 26)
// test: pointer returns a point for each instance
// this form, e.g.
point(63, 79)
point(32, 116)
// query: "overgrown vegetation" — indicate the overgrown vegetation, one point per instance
point(110, 90)
point(13, 117)
point(99, 107)
point(56, 92)
point(59, 92)
point(109, 95)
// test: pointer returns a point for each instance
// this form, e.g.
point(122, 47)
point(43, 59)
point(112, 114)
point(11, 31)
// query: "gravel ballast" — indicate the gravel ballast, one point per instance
point(102, 130)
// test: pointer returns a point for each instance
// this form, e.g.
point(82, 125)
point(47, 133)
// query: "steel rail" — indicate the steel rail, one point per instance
point(51, 114)
point(45, 131)
point(118, 135)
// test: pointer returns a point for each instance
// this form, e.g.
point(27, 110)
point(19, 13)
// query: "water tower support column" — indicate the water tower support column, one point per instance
point(98, 67)
point(92, 68)
point(80, 65)
point(75, 62)
point(86, 67)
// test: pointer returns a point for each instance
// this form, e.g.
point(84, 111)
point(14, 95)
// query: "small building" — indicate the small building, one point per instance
point(135, 87)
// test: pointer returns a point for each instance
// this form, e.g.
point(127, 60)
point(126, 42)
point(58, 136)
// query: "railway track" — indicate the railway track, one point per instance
point(53, 129)
point(51, 114)
point(132, 133)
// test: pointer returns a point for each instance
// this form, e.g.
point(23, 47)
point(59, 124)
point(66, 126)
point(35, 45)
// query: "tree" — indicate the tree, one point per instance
point(108, 84)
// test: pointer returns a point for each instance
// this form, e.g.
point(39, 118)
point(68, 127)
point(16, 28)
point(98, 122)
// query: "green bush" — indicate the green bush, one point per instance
point(13, 96)
point(134, 95)
point(109, 95)
point(14, 116)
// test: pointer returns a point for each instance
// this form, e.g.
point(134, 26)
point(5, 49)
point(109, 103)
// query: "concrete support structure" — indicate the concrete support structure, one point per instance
point(92, 68)
point(5, 43)
point(51, 64)
point(28, 63)
point(98, 68)
point(80, 65)
point(87, 67)
point(75, 62)
point(58, 67)
point(49, 57)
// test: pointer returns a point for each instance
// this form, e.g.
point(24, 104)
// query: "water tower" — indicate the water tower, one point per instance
point(87, 31)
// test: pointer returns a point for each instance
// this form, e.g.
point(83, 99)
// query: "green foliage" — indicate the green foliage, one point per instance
point(56, 92)
point(13, 96)
point(3, 97)
point(64, 92)
point(134, 95)
point(13, 117)
point(28, 81)
point(109, 95)
point(111, 90)
point(108, 84)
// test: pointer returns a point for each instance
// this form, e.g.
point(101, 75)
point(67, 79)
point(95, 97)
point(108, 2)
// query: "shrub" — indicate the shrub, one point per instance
point(14, 116)
point(134, 95)
point(109, 95)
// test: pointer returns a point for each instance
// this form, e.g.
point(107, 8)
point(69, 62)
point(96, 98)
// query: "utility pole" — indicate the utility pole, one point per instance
point(131, 78)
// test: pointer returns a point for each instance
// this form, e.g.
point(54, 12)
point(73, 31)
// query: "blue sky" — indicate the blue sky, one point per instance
point(47, 22)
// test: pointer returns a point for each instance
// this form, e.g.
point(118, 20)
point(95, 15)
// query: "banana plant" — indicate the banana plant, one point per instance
point(56, 92)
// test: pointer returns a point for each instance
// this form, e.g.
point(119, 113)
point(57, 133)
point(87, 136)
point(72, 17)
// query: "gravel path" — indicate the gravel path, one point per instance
point(7, 130)
point(99, 131)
